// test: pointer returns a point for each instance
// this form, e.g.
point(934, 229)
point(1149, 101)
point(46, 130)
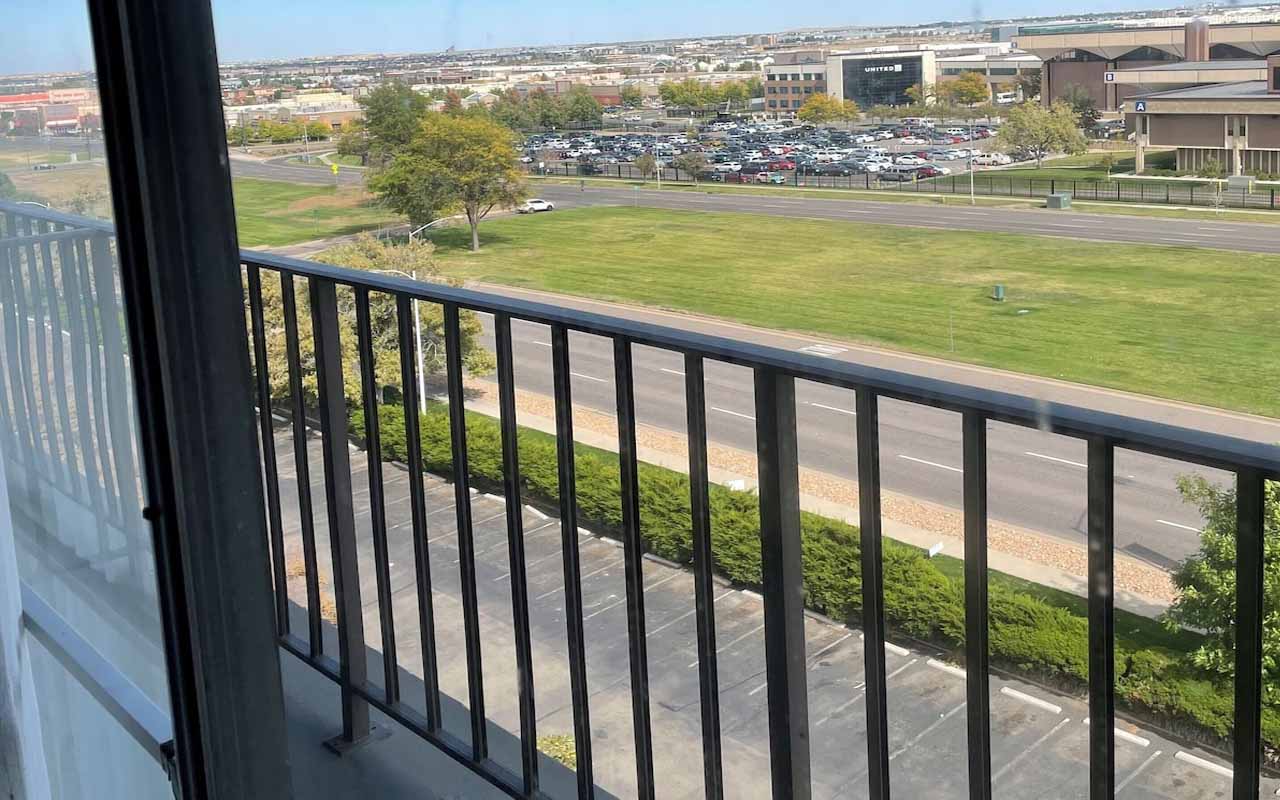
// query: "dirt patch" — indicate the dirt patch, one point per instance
point(60, 187)
point(345, 198)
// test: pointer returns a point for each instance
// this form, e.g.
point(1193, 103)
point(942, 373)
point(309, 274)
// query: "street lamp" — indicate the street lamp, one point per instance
point(417, 339)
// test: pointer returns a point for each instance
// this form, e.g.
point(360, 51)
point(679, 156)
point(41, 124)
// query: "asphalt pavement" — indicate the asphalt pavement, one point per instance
point(1039, 737)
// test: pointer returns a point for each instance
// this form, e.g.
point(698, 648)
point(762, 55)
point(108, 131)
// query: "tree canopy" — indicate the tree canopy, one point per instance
point(968, 88)
point(692, 93)
point(631, 95)
point(821, 107)
point(452, 163)
point(1040, 130)
point(393, 114)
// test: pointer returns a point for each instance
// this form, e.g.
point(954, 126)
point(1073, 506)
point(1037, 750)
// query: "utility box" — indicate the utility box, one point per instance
point(1240, 183)
point(1058, 200)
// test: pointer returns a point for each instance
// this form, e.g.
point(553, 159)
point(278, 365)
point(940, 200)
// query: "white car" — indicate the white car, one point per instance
point(955, 131)
point(533, 205)
point(992, 160)
point(914, 140)
point(910, 161)
point(863, 138)
point(884, 134)
point(728, 166)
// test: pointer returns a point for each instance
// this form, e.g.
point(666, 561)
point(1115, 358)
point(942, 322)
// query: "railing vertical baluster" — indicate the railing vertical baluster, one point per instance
point(466, 536)
point(119, 418)
point(515, 552)
point(418, 505)
point(23, 355)
point(703, 567)
point(275, 524)
point(353, 662)
point(45, 419)
point(1250, 500)
point(99, 414)
point(633, 549)
point(377, 499)
point(59, 372)
point(868, 427)
point(1101, 479)
point(72, 299)
point(782, 583)
point(567, 484)
point(15, 363)
point(977, 668)
point(301, 462)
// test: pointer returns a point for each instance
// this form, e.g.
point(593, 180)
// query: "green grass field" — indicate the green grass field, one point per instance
point(1179, 322)
point(1085, 167)
point(26, 158)
point(274, 213)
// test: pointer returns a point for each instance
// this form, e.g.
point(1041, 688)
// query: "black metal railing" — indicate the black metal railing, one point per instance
point(775, 375)
point(776, 372)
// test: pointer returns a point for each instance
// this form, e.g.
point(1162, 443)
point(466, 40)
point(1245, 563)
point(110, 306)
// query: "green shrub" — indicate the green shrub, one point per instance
point(1027, 634)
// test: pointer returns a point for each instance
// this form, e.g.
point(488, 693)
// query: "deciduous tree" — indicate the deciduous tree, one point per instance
point(693, 162)
point(968, 88)
point(393, 114)
point(631, 95)
point(1040, 130)
point(462, 163)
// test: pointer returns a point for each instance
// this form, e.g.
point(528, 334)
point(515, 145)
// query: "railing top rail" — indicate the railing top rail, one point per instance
point(1200, 447)
point(1184, 444)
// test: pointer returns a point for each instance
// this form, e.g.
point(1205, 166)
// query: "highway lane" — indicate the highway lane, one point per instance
point(1037, 480)
point(1252, 237)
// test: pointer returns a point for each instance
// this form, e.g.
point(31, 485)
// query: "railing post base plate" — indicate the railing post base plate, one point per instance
point(340, 745)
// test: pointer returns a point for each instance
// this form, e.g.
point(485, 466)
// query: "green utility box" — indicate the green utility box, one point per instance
point(1058, 200)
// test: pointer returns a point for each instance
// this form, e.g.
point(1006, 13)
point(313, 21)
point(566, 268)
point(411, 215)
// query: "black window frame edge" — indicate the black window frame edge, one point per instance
point(180, 280)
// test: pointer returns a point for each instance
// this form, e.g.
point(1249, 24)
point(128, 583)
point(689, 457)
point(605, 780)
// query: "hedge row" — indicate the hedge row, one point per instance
point(1027, 634)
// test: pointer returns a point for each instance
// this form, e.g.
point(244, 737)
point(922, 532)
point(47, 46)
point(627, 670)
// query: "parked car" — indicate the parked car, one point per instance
point(991, 160)
point(533, 205)
point(43, 166)
point(914, 140)
point(782, 164)
point(899, 173)
point(930, 171)
point(771, 177)
point(909, 160)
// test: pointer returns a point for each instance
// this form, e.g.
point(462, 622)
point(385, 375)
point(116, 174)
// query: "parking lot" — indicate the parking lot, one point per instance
point(1039, 738)
point(775, 152)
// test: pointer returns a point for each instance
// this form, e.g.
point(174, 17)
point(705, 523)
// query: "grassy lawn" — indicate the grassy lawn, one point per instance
point(273, 213)
point(345, 161)
point(24, 158)
point(1085, 167)
point(1179, 322)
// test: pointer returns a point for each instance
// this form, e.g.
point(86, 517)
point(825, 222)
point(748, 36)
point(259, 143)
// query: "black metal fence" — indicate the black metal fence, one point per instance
point(993, 184)
point(775, 373)
point(33, 424)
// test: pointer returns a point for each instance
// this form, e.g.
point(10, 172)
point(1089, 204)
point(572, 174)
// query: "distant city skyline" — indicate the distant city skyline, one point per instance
point(53, 35)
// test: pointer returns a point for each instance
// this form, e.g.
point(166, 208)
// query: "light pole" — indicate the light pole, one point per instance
point(417, 340)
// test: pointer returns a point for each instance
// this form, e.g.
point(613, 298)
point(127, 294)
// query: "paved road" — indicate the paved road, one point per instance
point(278, 169)
point(1253, 237)
point(1037, 480)
point(1039, 738)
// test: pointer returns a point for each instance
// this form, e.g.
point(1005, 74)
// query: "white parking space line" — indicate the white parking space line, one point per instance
point(1178, 525)
point(833, 408)
point(1132, 738)
point(862, 685)
point(929, 463)
point(1030, 700)
point(1129, 778)
point(608, 565)
point(1204, 763)
point(733, 413)
point(1027, 751)
point(813, 660)
point(588, 377)
point(671, 371)
point(950, 669)
point(725, 647)
point(916, 739)
point(685, 615)
point(539, 344)
point(1056, 459)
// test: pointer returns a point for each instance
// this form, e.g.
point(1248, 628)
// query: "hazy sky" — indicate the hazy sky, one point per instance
point(41, 35)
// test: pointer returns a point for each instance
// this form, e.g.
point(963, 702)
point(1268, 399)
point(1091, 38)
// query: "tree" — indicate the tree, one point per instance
point(968, 88)
point(881, 112)
point(582, 107)
point(393, 114)
point(646, 164)
point(746, 66)
point(1029, 84)
point(688, 93)
point(693, 162)
point(1040, 130)
point(733, 93)
point(370, 254)
point(546, 110)
point(920, 94)
point(631, 95)
point(453, 104)
point(755, 86)
point(512, 110)
point(353, 140)
point(453, 162)
point(820, 108)
point(1206, 581)
point(1083, 104)
point(319, 130)
point(1108, 162)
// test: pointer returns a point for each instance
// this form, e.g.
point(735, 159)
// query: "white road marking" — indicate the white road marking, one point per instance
point(914, 741)
point(1027, 751)
point(929, 463)
point(813, 660)
point(1055, 458)
point(896, 650)
point(535, 512)
point(833, 408)
point(588, 377)
point(1026, 698)
point(664, 626)
point(1125, 735)
point(948, 668)
point(862, 685)
point(671, 371)
point(725, 647)
point(1140, 768)
point(733, 413)
point(539, 344)
point(1204, 763)
point(1178, 525)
